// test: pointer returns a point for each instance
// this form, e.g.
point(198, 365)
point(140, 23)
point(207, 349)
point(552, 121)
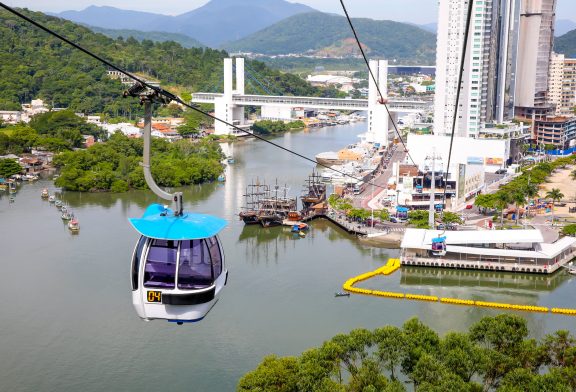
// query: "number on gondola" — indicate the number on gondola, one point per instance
point(155, 296)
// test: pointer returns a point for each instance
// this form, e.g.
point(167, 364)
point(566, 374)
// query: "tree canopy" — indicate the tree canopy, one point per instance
point(9, 167)
point(495, 354)
point(115, 164)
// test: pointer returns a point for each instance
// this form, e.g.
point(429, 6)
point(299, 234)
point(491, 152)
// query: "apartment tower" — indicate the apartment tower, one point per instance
point(534, 52)
point(488, 83)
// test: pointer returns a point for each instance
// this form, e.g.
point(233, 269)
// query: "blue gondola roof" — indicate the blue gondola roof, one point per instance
point(438, 239)
point(169, 227)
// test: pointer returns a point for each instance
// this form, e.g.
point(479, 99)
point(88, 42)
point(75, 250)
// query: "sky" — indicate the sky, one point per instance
point(414, 11)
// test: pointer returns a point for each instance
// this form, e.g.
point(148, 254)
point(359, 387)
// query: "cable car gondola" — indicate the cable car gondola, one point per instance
point(178, 268)
point(439, 246)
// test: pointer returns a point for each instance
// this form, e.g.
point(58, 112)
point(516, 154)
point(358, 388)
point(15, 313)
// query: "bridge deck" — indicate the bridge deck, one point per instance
point(310, 102)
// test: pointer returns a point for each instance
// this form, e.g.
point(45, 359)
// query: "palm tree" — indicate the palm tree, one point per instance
point(555, 195)
point(501, 200)
point(530, 191)
point(519, 198)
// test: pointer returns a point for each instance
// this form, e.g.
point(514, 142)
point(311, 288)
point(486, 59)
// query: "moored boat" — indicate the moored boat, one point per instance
point(329, 158)
point(52, 198)
point(66, 216)
point(44, 194)
point(58, 204)
point(74, 226)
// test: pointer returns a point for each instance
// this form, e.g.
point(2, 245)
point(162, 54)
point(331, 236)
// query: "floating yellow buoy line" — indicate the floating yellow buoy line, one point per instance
point(393, 264)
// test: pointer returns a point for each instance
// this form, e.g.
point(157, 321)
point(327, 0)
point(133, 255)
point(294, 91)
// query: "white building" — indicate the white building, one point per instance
point(10, 117)
point(413, 188)
point(562, 84)
point(126, 128)
point(491, 154)
point(488, 81)
point(343, 83)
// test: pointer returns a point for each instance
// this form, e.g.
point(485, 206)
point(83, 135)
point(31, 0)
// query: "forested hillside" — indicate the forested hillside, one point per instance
point(155, 36)
point(319, 33)
point(566, 44)
point(36, 65)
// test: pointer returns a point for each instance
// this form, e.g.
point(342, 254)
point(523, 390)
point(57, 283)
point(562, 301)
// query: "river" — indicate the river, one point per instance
point(67, 321)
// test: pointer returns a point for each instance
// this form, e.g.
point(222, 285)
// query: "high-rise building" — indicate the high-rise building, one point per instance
point(562, 84)
point(534, 52)
point(488, 83)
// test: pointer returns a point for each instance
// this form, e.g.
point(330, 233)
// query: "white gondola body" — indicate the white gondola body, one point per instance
point(149, 306)
point(176, 278)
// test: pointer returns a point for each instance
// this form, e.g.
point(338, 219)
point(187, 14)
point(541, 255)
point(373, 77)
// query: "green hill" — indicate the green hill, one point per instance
point(155, 36)
point(319, 33)
point(36, 65)
point(566, 44)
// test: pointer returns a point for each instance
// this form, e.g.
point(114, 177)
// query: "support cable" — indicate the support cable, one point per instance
point(170, 96)
point(270, 85)
point(382, 100)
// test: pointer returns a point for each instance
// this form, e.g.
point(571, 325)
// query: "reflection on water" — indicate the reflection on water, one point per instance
point(418, 276)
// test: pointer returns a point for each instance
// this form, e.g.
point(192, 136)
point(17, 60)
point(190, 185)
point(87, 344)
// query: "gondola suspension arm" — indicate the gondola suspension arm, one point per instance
point(147, 97)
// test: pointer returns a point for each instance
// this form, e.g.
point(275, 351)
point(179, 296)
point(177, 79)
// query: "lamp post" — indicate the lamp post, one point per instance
point(372, 201)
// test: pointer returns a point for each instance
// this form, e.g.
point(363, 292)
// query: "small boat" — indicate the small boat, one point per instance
point(11, 199)
point(74, 226)
point(299, 227)
point(66, 216)
point(341, 294)
point(58, 204)
point(52, 198)
point(44, 194)
point(221, 178)
point(64, 209)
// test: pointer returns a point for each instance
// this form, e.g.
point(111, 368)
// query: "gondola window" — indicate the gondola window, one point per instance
point(160, 268)
point(194, 271)
point(136, 261)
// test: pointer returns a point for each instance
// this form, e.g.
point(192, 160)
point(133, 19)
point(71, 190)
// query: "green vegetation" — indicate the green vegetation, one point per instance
point(569, 230)
point(52, 131)
point(339, 203)
point(155, 36)
point(9, 167)
point(196, 121)
point(404, 42)
point(566, 44)
point(494, 355)
point(114, 165)
point(419, 219)
point(35, 65)
point(523, 188)
point(267, 127)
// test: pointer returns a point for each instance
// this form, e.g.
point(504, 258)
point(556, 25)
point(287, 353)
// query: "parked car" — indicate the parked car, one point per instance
point(393, 219)
point(469, 206)
point(501, 171)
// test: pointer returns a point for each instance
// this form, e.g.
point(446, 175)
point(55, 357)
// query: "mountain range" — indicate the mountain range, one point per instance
point(318, 33)
point(213, 24)
point(156, 36)
point(566, 44)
